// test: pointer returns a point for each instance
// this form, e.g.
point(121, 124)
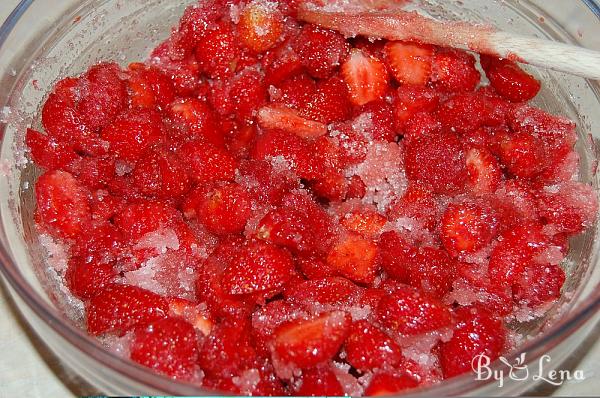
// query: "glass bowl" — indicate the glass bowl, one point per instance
point(43, 40)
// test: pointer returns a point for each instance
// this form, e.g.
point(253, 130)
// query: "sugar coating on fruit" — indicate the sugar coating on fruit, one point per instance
point(269, 188)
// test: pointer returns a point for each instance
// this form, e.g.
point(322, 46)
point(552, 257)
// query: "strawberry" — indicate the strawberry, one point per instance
point(208, 163)
point(395, 256)
point(509, 80)
point(484, 171)
point(412, 99)
point(365, 76)
point(224, 209)
point(306, 343)
point(335, 291)
point(410, 63)
point(383, 122)
point(269, 317)
point(418, 204)
point(569, 207)
point(313, 267)
point(168, 346)
point(367, 347)
point(356, 188)
point(260, 26)
point(476, 332)
point(257, 267)
point(132, 132)
point(149, 87)
point(454, 71)
point(195, 314)
point(538, 285)
point(389, 384)
point(329, 103)
point(199, 119)
point(432, 270)
point(410, 312)
point(354, 257)
point(317, 382)
point(281, 63)
point(467, 227)
point(296, 92)
point(320, 50)
point(438, 162)
point(138, 219)
point(102, 95)
point(241, 96)
point(47, 153)
point(161, 175)
point(273, 182)
point(463, 112)
point(119, 308)
point(522, 154)
point(217, 51)
point(272, 117)
point(300, 225)
point(227, 350)
point(93, 172)
point(63, 204)
point(366, 222)
point(85, 279)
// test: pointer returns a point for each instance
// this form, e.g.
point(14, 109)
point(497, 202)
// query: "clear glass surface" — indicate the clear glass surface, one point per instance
point(43, 41)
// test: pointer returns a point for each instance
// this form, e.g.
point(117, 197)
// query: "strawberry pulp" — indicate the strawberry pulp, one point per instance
point(268, 208)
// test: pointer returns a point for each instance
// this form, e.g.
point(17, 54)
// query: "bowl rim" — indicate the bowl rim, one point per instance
point(553, 336)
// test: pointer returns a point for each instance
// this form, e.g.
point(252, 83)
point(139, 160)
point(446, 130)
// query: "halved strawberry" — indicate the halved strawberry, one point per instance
point(278, 117)
point(354, 257)
point(410, 312)
point(409, 62)
point(63, 204)
point(484, 171)
point(365, 76)
point(168, 346)
point(260, 25)
point(119, 308)
point(368, 347)
point(306, 343)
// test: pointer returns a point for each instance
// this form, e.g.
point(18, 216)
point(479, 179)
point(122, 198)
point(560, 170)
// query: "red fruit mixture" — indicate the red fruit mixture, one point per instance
point(268, 208)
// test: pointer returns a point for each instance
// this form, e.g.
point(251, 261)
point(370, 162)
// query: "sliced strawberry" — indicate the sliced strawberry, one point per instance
point(306, 343)
point(484, 171)
point(258, 267)
point(119, 308)
point(149, 87)
point(354, 257)
point(367, 347)
point(476, 332)
point(274, 117)
point(318, 382)
point(365, 76)
point(260, 25)
point(410, 312)
point(63, 204)
point(410, 63)
point(509, 80)
point(168, 346)
point(522, 154)
point(389, 384)
point(467, 227)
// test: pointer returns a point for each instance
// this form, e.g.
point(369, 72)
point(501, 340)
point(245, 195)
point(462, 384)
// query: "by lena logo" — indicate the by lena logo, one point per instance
point(520, 371)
